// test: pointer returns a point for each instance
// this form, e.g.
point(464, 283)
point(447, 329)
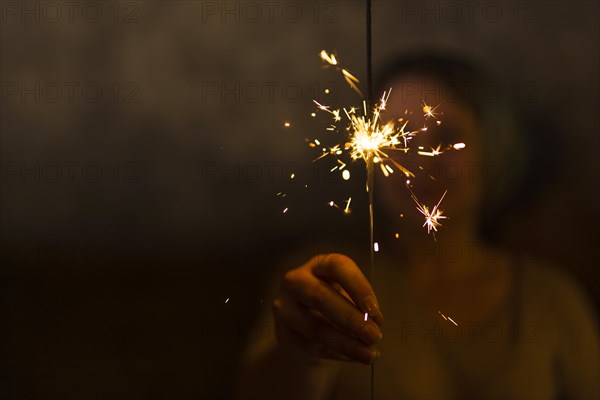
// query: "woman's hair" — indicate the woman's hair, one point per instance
point(503, 145)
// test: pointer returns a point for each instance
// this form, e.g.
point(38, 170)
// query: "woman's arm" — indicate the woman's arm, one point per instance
point(270, 371)
point(325, 311)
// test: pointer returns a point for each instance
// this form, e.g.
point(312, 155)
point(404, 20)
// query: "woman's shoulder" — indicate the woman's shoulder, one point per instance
point(551, 283)
point(563, 308)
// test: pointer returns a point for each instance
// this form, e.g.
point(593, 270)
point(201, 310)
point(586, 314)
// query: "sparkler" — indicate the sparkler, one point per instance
point(366, 136)
point(369, 138)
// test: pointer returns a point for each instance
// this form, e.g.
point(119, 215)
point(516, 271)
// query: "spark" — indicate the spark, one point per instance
point(369, 137)
point(347, 209)
point(286, 124)
point(330, 59)
point(366, 316)
point(431, 217)
point(227, 300)
point(348, 77)
point(376, 247)
point(430, 111)
point(447, 318)
point(432, 153)
point(436, 151)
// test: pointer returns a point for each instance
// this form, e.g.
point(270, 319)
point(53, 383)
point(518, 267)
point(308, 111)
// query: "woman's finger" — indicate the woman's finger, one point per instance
point(291, 313)
point(320, 338)
point(316, 294)
point(342, 269)
point(303, 349)
point(338, 342)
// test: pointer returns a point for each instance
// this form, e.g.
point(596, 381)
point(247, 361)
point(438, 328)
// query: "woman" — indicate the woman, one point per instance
point(463, 319)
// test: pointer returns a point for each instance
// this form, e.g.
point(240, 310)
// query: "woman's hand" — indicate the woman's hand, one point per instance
point(327, 309)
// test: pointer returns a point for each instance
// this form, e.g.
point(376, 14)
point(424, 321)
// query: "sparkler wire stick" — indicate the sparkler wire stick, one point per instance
point(370, 188)
point(370, 165)
point(369, 57)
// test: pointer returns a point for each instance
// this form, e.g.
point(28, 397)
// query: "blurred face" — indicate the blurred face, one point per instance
point(454, 170)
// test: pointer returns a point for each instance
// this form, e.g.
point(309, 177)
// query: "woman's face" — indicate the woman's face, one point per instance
point(457, 171)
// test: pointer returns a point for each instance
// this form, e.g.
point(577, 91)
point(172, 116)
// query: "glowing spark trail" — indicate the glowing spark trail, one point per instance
point(350, 79)
point(370, 138)
point(430, 112)
point(347, 209)
point(447, 318)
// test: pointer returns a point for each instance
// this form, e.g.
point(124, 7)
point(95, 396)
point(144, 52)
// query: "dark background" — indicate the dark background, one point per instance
point(142, 145)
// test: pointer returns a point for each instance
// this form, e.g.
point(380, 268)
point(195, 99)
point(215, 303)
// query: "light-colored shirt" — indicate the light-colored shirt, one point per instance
point(542, 345)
